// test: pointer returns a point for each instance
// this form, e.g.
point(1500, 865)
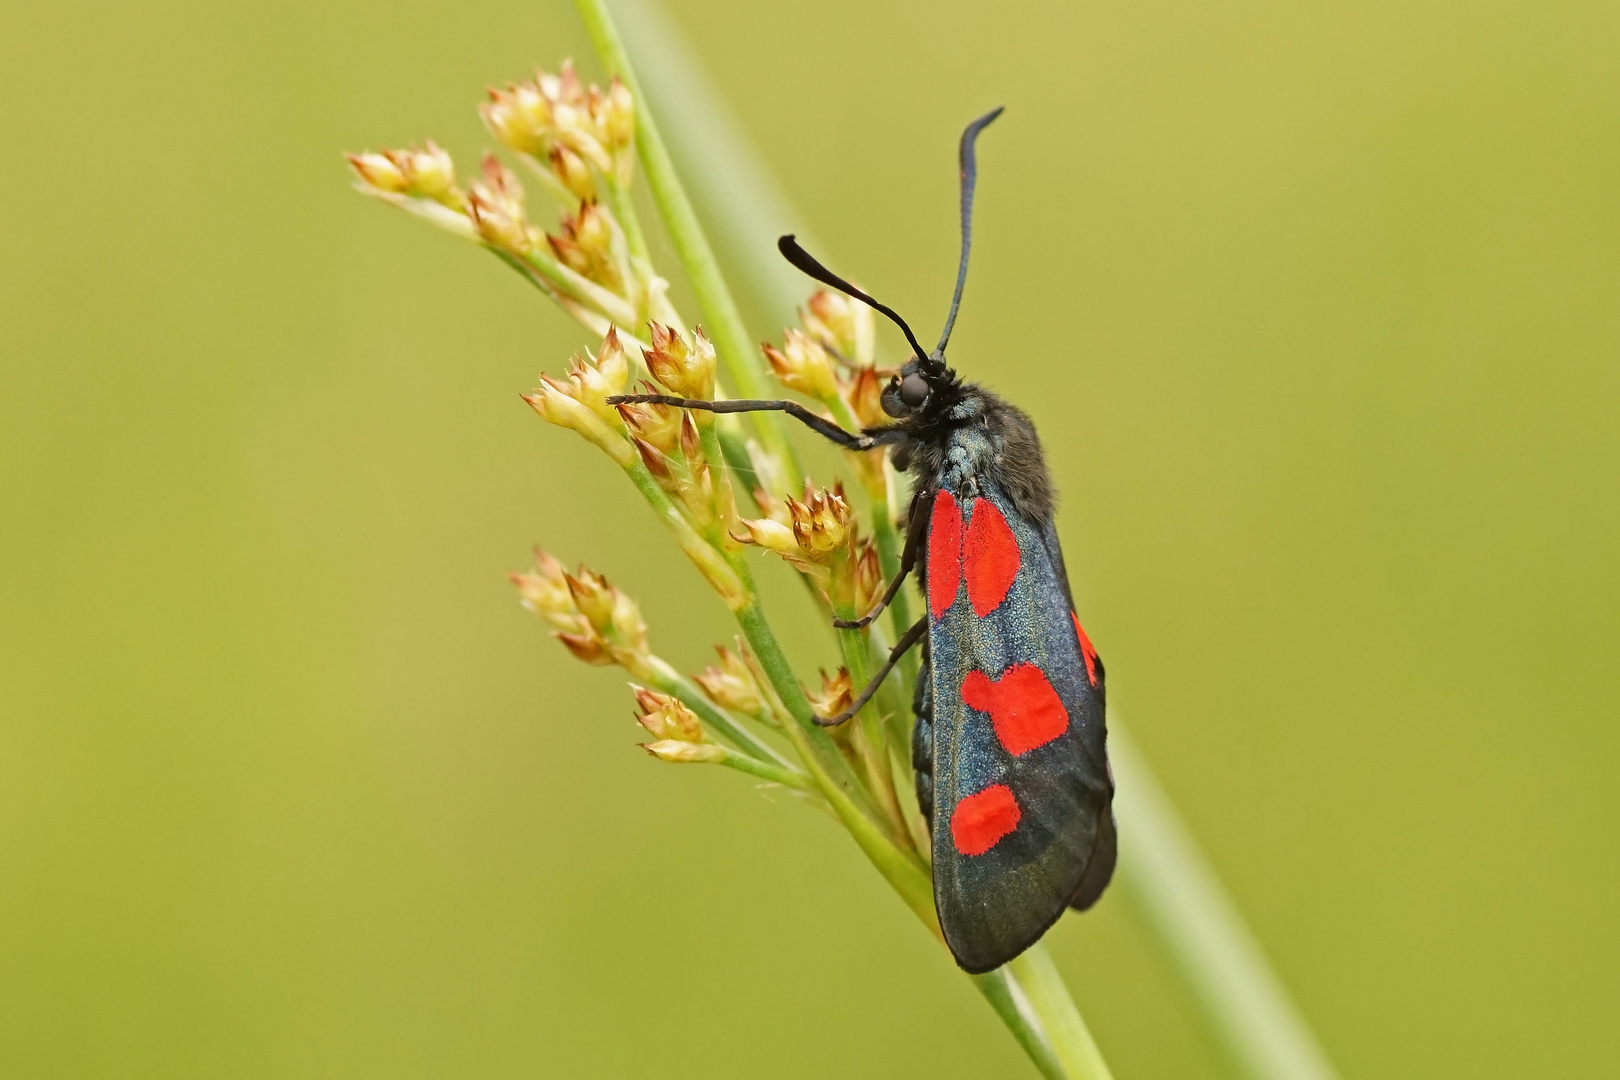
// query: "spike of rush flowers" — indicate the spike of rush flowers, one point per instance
point(816, 534)
point(597, 126)
point(580, 400)
point(842, 324)
point(836, 695)
point(804, 364)
point(730, 684)
point(587, 247)
point(496, 206)
point(423, 173)
point(678, 734)
point(686, 369)
point(595, 621)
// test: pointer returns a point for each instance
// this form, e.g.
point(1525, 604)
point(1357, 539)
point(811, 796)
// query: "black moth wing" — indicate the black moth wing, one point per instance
point(996, 903)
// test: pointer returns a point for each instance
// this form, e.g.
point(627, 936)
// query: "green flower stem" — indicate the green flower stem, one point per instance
point(791, 778)
point(885, 536)
point(665, 679)
point(571, 284)
point(1049, 999)
point(624, 209)
point(729, 333)
point(1005, 996)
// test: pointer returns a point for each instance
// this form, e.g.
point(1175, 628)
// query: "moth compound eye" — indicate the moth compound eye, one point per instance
point(914, 390)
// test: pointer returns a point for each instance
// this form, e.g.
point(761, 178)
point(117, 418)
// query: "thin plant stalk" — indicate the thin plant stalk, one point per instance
point(1176, 891)
point(1166, 877)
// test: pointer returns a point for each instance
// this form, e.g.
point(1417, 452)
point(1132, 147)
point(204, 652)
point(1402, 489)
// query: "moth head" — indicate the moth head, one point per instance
point(911, 389)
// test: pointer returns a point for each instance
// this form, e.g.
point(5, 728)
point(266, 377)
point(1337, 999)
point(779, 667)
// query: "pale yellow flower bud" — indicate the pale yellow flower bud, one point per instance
point(730, 684)
point(685, 753)
point(377, 171)
point(659, 426)
point(685, 369)
point(575, 175)
point(864, 393)
point(869, 584)
point(768, 534)
point(836, 694)
point(546, 593)
point(496, 207)
point(428, 172)
point(667, 717)
point(821, 522)
point(802, 364)
point(615, 116)
point(554, 402)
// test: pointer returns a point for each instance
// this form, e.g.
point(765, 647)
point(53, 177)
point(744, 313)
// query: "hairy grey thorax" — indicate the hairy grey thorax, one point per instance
point(986, 439)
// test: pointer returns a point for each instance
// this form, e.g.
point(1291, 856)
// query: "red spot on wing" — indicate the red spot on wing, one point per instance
point(989, 559)
point(944, 553)
point(1086, 651)
point(980, 821)
point(1024, 708)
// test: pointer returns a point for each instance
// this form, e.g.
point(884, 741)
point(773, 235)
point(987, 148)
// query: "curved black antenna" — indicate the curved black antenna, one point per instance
point(970, 170)
point(793, 253)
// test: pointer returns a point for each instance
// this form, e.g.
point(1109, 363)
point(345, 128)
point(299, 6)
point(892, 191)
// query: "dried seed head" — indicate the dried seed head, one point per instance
point(666, 717)
point(802, 364)
point(836, 694)
point(730, 683)
point(495, 204)
point(685, 369)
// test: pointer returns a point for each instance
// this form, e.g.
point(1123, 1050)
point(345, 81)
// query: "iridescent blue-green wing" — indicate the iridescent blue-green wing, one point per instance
point(1022, 825)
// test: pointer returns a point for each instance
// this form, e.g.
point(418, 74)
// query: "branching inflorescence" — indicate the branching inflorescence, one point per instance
point(719, 484)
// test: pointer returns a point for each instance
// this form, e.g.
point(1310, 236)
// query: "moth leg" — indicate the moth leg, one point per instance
point(826, 428)
point(922, 742)
point(908, 560)
point(907, 640)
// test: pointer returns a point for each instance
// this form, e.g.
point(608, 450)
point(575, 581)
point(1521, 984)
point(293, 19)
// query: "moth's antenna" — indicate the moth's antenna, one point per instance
point(970, 170)
point(793, 253)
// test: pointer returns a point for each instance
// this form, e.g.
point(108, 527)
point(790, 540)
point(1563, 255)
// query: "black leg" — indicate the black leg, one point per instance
point(907, 640)
point(847, 439)
point(908, 559)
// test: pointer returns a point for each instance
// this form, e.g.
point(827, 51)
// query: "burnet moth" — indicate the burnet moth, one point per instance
point(1010, 746)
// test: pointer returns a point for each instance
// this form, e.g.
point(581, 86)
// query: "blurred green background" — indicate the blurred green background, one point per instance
point(1318, 307)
